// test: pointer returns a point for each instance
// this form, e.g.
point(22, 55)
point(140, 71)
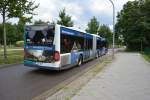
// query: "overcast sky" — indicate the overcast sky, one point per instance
point(80, 10)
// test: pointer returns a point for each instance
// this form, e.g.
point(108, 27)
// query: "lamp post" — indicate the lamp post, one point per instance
point(113, 28)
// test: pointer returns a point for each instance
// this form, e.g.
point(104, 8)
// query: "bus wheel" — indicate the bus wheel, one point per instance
point(80, 61)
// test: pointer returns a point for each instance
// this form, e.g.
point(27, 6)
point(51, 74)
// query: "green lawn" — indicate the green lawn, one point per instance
point(146, 56)
point(14, 56)
point(10, 47)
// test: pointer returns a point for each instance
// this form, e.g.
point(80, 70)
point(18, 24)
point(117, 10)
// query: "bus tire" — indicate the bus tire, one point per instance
point(80, 60)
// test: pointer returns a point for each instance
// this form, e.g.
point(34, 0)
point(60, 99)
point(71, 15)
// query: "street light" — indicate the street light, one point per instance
point(113, 27)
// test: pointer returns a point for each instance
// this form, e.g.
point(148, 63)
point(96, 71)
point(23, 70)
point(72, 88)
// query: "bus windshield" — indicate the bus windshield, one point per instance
point(39, 35)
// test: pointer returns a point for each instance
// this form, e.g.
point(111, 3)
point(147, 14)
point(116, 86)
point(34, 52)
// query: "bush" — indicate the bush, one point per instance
point(20, 43)
point(147, 50)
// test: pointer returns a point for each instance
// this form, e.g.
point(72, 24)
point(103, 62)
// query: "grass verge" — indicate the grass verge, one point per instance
point(146, 56)
point(10, 47)
point(13, 57)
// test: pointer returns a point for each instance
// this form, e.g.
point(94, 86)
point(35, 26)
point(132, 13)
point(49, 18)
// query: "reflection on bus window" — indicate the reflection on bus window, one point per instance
point(40, 37)
point(78, 46)
point(74, 47)
point(69, 43)
point(65, 44)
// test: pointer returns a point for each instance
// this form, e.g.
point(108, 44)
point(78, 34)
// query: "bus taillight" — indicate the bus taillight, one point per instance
point(56, 56)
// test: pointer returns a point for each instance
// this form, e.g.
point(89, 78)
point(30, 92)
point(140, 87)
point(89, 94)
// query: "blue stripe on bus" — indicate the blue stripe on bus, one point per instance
point(89, 36)
point(71, 32)
point(75, 33)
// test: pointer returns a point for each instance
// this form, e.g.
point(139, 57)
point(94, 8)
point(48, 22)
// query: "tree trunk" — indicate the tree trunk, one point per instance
point(4, 34)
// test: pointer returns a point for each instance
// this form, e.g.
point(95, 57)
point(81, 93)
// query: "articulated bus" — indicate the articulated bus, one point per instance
point(57, 47)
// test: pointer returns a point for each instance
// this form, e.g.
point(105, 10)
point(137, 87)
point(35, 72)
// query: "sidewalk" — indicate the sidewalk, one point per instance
point(127, 78)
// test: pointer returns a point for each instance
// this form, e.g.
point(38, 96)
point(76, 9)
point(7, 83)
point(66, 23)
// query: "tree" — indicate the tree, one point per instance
point(64, 19)
point(12, 34)
point(145, 20)
point(44, 22)
point(129, 24)
point(20, 27)
point(14, 8)
point(40, 22)
point(93, 26)
point(104, 31)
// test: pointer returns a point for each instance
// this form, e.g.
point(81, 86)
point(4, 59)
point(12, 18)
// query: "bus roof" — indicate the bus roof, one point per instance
point(38, 27)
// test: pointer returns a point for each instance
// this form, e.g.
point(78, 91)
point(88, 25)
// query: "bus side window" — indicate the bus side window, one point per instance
point(78, 45)
point(81, 43)
point(70, 42)
point(65, 44)
point(50, 36)
point(89, 44)
point(62, 44)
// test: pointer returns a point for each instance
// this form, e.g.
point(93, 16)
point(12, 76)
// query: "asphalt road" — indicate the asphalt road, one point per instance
point(19, 82)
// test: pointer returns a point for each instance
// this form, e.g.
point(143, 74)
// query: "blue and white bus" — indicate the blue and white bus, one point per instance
point(57, 47)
